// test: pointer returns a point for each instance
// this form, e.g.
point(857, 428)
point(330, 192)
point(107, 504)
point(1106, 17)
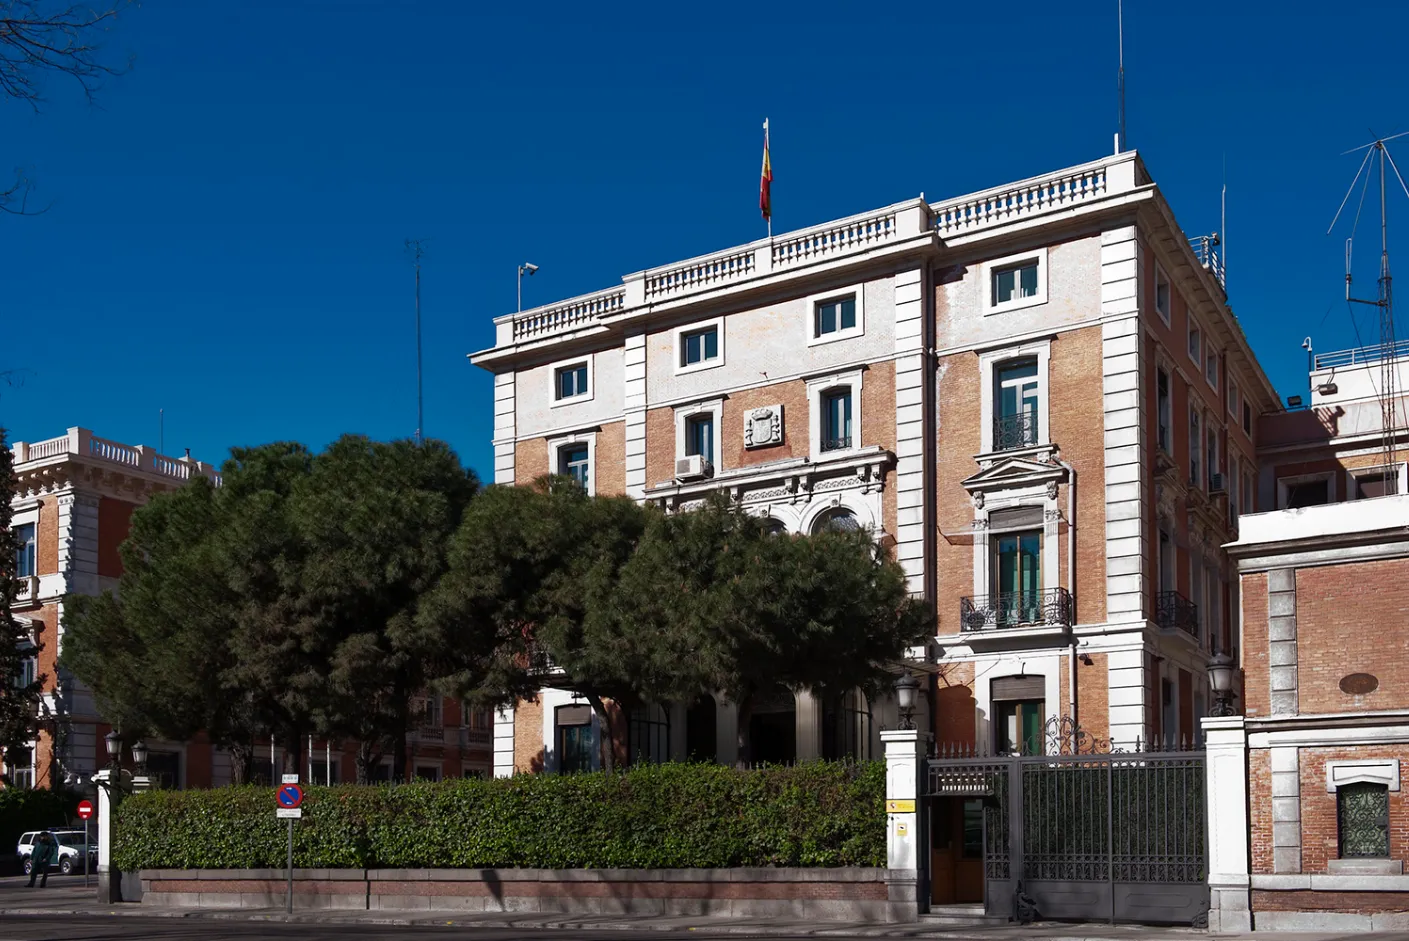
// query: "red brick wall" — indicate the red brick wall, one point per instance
point(1077, 417)
point(530, 461)
point(1319, 836)
point(1349, 617)
point(1260, 808)
point(46, 547)
point(660, 444)
point(610, 460)
point(1256, 680)
point(792, 396)
point(114, 523)
point(955, 709)
point(528, 736)
point(958, 442)
point(878, 406)
point(1362, 903)
point(1093, 687)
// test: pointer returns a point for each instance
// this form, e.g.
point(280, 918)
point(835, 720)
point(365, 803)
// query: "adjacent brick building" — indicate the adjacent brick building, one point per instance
point(72, 509)
point(1325, 730)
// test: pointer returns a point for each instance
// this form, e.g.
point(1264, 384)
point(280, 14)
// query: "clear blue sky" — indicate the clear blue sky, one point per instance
point(225, 240)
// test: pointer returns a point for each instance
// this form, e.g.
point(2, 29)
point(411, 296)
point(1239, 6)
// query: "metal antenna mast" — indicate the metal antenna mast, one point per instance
point(1384, 302)
point(1120, 77)
point(414, 247)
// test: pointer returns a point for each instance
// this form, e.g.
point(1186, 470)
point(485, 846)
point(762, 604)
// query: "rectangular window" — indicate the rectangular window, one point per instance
point(1163, 410)
point(1247, 419)
point(1308, 493)
point(1196, 590)
point(574, 739)
point(1211, 453)
point(572, 462)
point(699, 346)
point(1214, 605)
point(1362, 821)
point(1211, 367)
point(1018, 578)
point(1232, 398)
point(1246, 501)
point(1196, 343)
point(1195, 434)
point(1015, 419)
point(648, 734)
point(19, 764)
point(1166, 560)
point(571, 381)
point(837, 315)
point(1162, 294)
point(699, 436)
point(1015, 282)
point(836, 420)
point(427, 773)
point(1232, 484)
point(323, 773)
point(24, 550)
point(28, 672)
point(1376, 484)
point(1020, 727)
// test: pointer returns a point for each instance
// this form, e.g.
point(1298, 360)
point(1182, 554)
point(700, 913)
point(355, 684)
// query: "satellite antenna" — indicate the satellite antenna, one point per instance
point(1377, 152)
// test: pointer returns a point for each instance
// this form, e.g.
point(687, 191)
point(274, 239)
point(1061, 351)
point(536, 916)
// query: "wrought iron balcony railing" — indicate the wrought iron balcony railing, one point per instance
point(1011, 432)
point(1174, 610)
point(1016, 609)
point(836, 444)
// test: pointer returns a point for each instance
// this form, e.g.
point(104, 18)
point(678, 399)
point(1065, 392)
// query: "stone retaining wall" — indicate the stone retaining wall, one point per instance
point(849, 894)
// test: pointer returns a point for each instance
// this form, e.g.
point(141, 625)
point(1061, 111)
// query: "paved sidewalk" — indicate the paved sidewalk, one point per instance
point(68, 897)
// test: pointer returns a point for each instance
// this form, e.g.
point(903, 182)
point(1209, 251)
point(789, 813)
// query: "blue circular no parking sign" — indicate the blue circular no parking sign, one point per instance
point(290, 796)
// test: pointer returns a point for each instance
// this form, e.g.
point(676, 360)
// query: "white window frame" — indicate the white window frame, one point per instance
point(1353, 475)
point(988, 364)
point(1211, 364)
point(1167, 418)
point(718, 324)
point(1211, 465)
point(991, 267)
point(1285, 483)
point(1195, 353)
point(816, 389)
point(589, 438)
point(1162, 278)
point(559, 366)
point(683, 413)
point(815, 300)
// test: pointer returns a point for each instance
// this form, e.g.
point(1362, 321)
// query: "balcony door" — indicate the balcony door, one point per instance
point(1015, 425)
point(1018, 577)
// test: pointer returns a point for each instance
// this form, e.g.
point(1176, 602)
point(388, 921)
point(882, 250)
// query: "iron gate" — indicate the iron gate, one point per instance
point(1087, 833)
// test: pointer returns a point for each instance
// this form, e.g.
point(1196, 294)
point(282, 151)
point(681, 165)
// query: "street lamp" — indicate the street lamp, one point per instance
point(139, 756)
point(1220, 680)
point(114, 744)
point(906, 686)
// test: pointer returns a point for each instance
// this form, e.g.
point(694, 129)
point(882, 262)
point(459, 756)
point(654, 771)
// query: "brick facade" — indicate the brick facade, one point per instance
point(1332, 602)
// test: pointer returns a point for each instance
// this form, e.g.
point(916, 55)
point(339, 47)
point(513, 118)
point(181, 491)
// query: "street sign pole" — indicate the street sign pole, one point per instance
point(290, 907)
point(87, 863)
point(288, 800)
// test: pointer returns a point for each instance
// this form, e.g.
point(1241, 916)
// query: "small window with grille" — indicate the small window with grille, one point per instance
point(1362, 820)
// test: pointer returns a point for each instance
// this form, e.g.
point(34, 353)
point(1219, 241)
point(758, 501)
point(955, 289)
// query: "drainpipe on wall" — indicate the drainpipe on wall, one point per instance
point(1071, 575)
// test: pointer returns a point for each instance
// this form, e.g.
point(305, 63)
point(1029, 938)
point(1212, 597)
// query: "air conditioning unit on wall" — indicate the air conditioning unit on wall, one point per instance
point(693, 467)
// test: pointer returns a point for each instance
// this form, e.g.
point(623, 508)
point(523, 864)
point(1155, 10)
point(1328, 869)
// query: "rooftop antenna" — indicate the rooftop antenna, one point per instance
point(1223, 222)
point(1377, 152)
point(1120, 78)
point(415, 247)
point(161, 431)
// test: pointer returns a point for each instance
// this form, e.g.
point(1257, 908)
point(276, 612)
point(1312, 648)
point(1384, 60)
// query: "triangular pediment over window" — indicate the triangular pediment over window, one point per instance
point(1014, 472)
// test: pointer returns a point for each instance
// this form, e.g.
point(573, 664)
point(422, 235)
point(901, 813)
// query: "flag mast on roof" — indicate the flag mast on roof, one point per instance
point(765, 184)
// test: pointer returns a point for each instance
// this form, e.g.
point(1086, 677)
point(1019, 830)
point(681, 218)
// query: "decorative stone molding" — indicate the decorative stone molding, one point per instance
point(1362, 771)
point(763, 426)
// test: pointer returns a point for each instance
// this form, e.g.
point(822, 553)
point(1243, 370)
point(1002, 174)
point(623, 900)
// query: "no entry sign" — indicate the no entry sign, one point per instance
point(85, 810)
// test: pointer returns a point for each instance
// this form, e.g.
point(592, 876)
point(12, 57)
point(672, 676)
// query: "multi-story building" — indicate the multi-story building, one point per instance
point(1036, 397)
point(1309, 775)
point(72, 508)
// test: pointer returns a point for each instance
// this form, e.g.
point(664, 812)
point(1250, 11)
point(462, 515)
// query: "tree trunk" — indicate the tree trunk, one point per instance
point(241, 760)
point(364, 762)
point(605, 721)
point(742, 737)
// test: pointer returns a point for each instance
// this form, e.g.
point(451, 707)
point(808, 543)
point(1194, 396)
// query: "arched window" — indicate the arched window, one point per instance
point(839, 520)
point(774, 526)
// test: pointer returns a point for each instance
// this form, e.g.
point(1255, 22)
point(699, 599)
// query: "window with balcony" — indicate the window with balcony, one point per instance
point(1362, 820)
point(1017, 567)
point(699, 436)
point(1016, 400)
point(572, 381)
point(24, 550)
point(1163, 411)
point(574, 461)
point(836, 420)
point(1215, 481)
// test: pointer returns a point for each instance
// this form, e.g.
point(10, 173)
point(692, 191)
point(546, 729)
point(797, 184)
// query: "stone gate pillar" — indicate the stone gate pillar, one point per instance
point(1225, 771)
point(905, 751)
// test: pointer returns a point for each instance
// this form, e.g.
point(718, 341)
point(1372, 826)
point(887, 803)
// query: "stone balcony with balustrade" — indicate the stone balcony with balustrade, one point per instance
point(911, 226)
point(136, 459)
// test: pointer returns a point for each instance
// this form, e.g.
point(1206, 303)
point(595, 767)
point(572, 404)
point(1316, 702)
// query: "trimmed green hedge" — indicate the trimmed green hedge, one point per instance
point(660, 816)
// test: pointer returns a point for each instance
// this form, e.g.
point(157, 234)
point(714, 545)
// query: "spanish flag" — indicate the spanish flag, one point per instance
point(765, 183)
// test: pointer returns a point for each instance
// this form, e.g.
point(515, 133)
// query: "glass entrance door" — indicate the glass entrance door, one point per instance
point(1019, 579)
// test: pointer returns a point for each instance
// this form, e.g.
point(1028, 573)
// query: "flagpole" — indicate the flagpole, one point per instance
point(766, 143)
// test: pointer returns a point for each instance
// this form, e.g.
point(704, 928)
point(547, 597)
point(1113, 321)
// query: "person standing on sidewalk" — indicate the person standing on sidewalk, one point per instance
point(40, 858)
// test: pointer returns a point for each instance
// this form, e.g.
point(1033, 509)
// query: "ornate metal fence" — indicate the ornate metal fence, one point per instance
point(1085, 832)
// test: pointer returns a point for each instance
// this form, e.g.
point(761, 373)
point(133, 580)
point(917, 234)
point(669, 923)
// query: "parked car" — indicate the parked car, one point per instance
point(70, 846)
